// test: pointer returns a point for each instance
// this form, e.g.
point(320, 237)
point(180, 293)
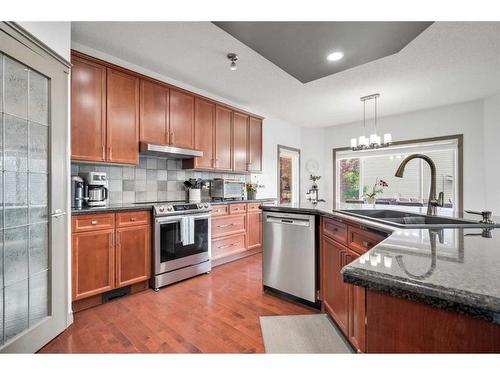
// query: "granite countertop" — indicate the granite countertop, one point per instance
point(149, 206)
point(453, 268)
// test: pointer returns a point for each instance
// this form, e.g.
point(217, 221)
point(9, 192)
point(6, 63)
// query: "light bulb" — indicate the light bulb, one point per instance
point(387, 138)
point(233, 66)
point(354, 143)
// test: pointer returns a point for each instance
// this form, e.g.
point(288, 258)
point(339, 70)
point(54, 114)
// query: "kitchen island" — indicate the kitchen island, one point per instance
point(417, 290)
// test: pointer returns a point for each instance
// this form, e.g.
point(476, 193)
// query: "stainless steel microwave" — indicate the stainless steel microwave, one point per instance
point(224, 188)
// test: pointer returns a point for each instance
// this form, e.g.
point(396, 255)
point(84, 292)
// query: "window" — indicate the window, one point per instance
point(357, 172)
point(288, 174)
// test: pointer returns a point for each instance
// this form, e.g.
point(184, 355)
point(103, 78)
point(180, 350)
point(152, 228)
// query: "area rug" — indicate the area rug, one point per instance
point(302, 334)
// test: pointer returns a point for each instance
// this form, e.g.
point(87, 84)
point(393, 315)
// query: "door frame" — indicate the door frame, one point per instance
point(22, 46)
point(292, 149)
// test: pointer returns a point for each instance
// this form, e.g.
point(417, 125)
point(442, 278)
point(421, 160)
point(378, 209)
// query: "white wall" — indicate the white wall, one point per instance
point(491, 136)
point(275, 132)
point(56, 35)
point(462, 118)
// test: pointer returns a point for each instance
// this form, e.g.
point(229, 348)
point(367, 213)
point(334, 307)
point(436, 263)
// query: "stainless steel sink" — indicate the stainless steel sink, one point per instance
point(403, 219)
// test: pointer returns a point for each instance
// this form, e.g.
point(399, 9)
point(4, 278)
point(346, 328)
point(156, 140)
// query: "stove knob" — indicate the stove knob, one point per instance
point(161, 208)
point(169, 208)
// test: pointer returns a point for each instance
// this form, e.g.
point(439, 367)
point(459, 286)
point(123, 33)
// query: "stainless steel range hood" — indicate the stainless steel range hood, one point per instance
point(170, 152)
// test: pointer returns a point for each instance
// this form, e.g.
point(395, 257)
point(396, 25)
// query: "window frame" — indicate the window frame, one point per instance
point(459, 167)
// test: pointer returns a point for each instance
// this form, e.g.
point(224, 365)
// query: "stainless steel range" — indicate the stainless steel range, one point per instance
point(182, 243)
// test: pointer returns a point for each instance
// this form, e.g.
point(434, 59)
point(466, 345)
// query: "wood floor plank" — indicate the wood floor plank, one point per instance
point(215, 313)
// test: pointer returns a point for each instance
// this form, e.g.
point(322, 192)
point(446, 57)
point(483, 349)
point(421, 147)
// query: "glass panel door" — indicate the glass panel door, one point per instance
point(34, 295)
point(24, 221)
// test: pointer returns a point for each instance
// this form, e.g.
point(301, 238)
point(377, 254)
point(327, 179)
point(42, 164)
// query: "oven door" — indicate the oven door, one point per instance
point(181, 241)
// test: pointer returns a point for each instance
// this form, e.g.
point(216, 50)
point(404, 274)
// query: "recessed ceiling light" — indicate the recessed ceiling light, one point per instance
point(335, 56)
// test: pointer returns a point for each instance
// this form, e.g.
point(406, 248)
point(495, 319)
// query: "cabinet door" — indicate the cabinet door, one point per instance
point(204, 129)
point(88, 110)
point(122, 117)
point(357, 312)
point(240, 142)
point(153, 122)
point(92, 263)
point(254, 229)
point(223, 135)
point(181, 119)
point(335, 291)
point(255, 145)
point(133, 255)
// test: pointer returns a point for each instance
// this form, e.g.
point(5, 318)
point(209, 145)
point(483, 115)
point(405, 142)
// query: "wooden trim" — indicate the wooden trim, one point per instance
point(460, 149)
point(170, 86)
point(232, 258)
point(279, 147)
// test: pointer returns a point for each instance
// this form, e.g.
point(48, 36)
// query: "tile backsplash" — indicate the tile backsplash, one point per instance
point(154, 179)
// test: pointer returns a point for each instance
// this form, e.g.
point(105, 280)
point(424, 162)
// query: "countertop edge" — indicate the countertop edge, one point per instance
point(456, 300)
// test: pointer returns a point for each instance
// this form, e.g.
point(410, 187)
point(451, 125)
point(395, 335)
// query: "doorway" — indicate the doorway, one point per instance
point(33, 219)
point(288, 174)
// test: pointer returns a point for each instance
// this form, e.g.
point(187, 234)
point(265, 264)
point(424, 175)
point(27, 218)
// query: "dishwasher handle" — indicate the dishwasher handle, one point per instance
point(288, 220)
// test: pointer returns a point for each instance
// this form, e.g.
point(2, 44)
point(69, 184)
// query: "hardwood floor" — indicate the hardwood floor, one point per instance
point(215, 313)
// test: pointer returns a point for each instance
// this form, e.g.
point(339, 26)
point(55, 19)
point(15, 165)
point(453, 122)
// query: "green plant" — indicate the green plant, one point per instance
point(377, 188)
point(252, 187)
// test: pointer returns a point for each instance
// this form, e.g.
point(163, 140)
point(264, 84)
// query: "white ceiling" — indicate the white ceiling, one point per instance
point(449, 62)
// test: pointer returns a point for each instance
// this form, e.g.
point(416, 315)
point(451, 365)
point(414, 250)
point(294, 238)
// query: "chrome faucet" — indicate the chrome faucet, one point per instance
point(433, 201)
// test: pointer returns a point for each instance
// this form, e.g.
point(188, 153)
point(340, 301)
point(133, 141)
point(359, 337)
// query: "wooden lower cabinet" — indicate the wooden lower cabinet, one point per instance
point(254, 229)
point(236, 231)
point(93, 263)
point(341, 244)
point(357, 312)
point(106, 259)
point(133, 255)
point(335, 291)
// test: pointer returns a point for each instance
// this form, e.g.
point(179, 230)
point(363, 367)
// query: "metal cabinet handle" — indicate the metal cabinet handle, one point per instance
point(93, 222)
point(225, 225)
point(367, 244)
point(226, 246)
point(103, 152)
point(171, 137)
point(133, 219)
point(58, 213)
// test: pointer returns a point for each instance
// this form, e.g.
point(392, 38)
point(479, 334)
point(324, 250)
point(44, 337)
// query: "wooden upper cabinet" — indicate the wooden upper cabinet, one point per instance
point(153, 122)
point(181, 119)
point(204, 133)
point(223, 135)
point(88, 110)
point(240, 142)
point(255, 145)
point(122, 117)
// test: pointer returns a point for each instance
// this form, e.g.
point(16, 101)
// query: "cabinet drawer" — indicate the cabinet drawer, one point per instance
point(220, 210)
point(127, 219)
point(253, 206)
point(228, 246)
point(83, 223)
point(222, 226)
point(335, 230)
point(361, 240)
point(237, 208)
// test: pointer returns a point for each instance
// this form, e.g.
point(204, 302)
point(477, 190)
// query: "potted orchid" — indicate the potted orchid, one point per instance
point(252, 188)
point(377, 188)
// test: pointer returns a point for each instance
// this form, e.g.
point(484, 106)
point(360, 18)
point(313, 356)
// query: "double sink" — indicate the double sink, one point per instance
point(402, 219)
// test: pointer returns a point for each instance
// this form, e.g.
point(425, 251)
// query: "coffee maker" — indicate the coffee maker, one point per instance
point(96, 189)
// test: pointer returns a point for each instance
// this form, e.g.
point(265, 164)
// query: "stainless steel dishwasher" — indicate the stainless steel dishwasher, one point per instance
point(290, 255)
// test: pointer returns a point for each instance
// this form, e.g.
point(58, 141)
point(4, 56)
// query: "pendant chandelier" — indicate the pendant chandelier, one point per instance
point(374, 141)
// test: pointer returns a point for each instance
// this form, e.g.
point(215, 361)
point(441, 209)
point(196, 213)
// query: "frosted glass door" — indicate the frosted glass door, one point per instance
point(34, 231)
point(24, 224)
